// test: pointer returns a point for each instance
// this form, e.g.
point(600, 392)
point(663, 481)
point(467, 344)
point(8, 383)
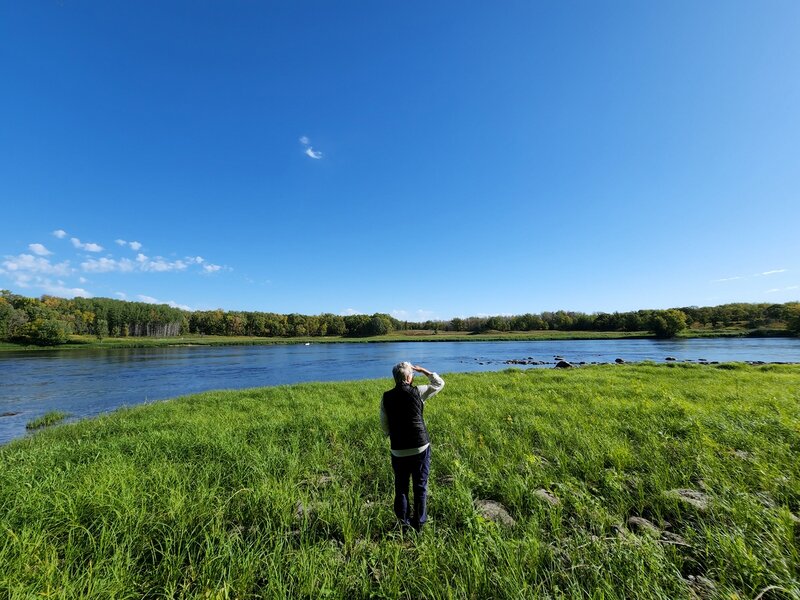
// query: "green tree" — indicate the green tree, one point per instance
point(46, 332)
point(667, 323)
point(101, 328)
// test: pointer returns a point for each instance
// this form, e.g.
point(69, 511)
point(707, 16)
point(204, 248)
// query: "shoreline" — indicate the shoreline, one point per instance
point(89, 343)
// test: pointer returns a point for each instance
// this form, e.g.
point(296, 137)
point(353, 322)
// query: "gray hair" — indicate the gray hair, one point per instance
point(401, 371)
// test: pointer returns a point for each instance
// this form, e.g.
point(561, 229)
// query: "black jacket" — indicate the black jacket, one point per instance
point(403, 407)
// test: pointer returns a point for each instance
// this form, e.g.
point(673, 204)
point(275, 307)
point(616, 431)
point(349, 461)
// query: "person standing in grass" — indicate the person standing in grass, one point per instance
point(401, 419)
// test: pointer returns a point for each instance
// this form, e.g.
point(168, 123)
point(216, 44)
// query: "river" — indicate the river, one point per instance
point(85, 383)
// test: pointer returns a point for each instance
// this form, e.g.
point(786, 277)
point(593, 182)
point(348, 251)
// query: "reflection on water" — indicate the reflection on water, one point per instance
point(88, 382)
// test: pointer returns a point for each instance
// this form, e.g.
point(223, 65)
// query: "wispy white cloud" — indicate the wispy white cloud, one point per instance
point(727, 279)
point(89, 246)
point(108, 265)
point(60, 233)
point(39, 249)
point(125, 265)
point(58, 288)
point(211, 268)
point(136, 246)
point(151, 300)
point(121, 295)
point(32, 264)
point(161, 265)
point(785, 289)
point(310, 152)
point(773, 272)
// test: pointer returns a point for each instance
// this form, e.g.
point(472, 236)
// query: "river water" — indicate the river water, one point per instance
point(85, 383)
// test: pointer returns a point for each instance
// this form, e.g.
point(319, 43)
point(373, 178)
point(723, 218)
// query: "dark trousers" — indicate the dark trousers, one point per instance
point(417, 467)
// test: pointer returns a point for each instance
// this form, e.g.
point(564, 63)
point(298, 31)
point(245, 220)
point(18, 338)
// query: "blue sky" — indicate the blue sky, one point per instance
point(428, 160)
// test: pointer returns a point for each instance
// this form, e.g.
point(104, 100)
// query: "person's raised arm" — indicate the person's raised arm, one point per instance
point(436, 383)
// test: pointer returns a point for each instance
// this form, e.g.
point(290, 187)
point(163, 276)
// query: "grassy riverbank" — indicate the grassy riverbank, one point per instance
point(286, 492)
point(90, 342)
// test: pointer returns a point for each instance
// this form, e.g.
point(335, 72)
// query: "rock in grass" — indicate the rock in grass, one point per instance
point(494, 511)
point(692, 497)
point(642, 525)
point(447, 480)
point(304, 511)
point(546, 496)
point(702, 586)
point(325, 480)
point(562, 364)
point(668, 537)
point(619, 361)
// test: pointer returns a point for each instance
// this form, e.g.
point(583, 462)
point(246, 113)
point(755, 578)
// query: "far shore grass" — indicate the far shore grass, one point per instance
point(286, 492)
point(91, 342)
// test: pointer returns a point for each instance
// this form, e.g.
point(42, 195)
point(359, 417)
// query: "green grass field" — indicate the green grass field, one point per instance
point(286, 492)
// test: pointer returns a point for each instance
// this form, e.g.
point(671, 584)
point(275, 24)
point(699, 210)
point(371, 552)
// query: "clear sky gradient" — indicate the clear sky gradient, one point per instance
point(425, 159)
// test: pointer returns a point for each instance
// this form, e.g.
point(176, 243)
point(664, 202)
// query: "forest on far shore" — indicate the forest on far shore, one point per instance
point(51, 321)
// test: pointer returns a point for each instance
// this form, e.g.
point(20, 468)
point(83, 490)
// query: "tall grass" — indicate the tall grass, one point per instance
point(286, 492)
point(49, 418)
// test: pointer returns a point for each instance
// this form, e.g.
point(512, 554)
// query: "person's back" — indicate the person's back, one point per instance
point(404, 412)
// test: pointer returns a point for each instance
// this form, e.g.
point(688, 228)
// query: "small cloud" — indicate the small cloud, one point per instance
point(351, 311)
point(83, 280)
point(793, 287)
point(209, 268)
point(39, 249)
point(772, 291)
point(89, 246)
point(107, 265)
point(773, 272)
point(60, 233)
point(727, 279)
point(121, 295)
point(141, 258)
point(151, 300)
point(136, 246)
point(160, 265)
point(310, 152)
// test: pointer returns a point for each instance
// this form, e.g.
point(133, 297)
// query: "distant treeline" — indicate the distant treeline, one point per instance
point(51, 320)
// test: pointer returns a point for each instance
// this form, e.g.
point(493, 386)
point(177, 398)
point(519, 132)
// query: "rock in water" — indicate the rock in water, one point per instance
point(562, 364)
